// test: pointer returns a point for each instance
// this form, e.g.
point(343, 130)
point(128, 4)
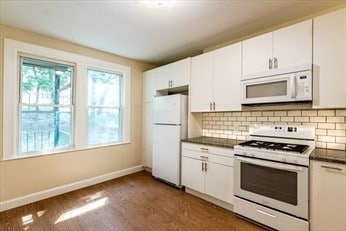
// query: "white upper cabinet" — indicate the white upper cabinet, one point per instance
point(174, 74)
point(149, 85)
point(215, 80)
point(292, 46)
point(227, 71)
point(329, 88)
point(201, 82)
point(284, 50)
point(257, 53)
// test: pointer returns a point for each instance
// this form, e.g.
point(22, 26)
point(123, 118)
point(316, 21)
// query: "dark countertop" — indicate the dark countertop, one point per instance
point(329, 155)
point(220, 142)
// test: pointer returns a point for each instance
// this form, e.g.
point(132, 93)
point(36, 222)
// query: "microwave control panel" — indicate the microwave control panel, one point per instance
point(303, 85)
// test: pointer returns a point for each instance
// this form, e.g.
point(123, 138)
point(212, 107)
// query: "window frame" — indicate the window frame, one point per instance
point(11, 88)
point(120, 107)
point(19, 153)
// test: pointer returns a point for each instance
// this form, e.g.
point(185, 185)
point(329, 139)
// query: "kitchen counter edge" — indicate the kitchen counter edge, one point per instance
point(218, 142)
point(329, 155)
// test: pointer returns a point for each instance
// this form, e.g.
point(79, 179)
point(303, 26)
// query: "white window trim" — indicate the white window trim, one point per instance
point(12, 49)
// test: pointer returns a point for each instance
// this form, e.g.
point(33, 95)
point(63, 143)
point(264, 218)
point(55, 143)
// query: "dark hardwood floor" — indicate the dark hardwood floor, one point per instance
point(134, 202)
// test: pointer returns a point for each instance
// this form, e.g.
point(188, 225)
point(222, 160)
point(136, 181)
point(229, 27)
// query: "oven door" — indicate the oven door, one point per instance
point(276, 185)
point(270, 89)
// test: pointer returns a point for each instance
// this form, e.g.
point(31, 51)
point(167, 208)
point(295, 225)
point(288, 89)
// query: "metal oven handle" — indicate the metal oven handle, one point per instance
point(271, 164)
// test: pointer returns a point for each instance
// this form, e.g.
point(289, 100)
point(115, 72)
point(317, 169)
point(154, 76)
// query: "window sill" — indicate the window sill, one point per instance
point(65, 151)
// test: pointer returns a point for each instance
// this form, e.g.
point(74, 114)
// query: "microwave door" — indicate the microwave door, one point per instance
point(268, 90)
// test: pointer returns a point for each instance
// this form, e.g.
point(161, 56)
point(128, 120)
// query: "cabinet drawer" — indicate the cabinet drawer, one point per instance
point(208, 149)
point(209, 157)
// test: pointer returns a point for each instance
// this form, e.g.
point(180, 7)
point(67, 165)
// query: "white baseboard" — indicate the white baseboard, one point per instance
point(19, 201)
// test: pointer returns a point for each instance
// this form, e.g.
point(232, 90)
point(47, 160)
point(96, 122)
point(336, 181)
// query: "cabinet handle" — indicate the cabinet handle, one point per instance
point(213, 106)
point(171, 83)
point(332, 168)
point(210, 106)
point(270, 63)
point(204, 150)
point(275, 63)
point(202, 166)
point(205, 166)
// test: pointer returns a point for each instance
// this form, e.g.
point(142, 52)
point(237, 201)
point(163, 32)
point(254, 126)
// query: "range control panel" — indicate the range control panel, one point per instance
point(283, 130)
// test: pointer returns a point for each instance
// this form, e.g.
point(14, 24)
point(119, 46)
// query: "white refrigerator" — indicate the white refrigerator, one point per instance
point(170, 126)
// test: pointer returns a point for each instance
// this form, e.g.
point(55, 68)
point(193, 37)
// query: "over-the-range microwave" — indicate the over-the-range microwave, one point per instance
point(291, 87)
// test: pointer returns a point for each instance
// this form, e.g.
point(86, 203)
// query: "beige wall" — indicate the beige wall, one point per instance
point(23, 176)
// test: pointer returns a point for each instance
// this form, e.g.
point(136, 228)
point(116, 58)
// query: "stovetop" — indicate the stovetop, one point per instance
point(295, 148)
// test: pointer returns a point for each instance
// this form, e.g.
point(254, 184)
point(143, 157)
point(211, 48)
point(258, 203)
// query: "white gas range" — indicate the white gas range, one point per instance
point(271, 175)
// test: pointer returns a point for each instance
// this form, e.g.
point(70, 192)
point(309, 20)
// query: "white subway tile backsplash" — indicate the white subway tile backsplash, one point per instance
point(262, 118)
point(330, 124)
point(321, 144)
point(336, 119)
point(309, 113)
point(301, 119)
point(280, 113)
point(256, 113)
point(318, 119)
point(287, 119)
point(326, 112)
point(274, 119)
point(340, 140)
point(322, 132)
point(268, 113)
point(341, 112)
point(326, 125)
point(336, 132)
point(340, 126)
point(294, 113)
point(336, 146)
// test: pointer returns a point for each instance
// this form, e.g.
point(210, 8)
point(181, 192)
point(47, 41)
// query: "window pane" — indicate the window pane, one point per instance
point(103, 89)
point(103, 126)
point(45, 82)
point(45, 128)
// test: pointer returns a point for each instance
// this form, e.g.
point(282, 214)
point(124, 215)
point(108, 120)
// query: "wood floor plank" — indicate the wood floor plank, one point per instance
point(133, 202)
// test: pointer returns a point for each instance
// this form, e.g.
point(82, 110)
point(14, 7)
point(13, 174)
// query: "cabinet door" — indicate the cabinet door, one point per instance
point(201, 82)
point(226, 78)
point(149, 85)
point(329, 88)
point(292, 45)
point(327, 196)
point(147, 134)
point(219, 181)
point(162, 79)
point(180, 72)
point(256, 54)
point(192, 175)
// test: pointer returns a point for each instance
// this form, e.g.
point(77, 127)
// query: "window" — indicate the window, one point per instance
point(104, 107)
point(56, 101)
point(45, 106)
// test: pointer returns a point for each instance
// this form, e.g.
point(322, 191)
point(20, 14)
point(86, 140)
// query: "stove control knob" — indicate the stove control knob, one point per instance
point(283, 158)
point(244, 153)
point(252, 154)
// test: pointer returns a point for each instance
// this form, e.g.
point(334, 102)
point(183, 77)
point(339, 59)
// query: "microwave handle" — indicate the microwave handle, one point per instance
point(271, 164)
point(293, 84)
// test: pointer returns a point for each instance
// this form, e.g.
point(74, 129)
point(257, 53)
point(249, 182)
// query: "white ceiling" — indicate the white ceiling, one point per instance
point(140, 30)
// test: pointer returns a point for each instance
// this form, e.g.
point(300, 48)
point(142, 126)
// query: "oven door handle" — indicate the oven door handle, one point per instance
point(271, 164)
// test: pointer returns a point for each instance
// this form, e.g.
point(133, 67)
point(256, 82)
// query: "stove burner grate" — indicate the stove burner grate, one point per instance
point(298, 148)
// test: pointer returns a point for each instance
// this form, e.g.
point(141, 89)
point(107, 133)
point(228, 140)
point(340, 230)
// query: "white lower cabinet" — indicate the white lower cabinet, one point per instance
point(208, 170)
point(327, 196)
